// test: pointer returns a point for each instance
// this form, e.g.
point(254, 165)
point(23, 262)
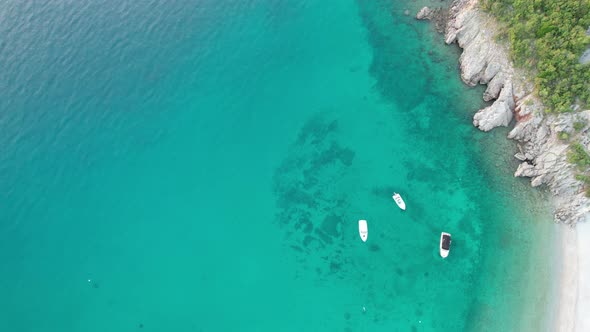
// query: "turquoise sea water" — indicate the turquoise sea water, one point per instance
point(202, 165)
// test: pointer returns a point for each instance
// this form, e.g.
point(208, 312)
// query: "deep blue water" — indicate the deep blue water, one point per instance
point(202, 165)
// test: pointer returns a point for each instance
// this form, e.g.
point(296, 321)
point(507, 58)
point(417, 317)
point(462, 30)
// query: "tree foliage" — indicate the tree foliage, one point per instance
point(586, 180)
point(579, 125)
point(548, 37)
point(578, 155)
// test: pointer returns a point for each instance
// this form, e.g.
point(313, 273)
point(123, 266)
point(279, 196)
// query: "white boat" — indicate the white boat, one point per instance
point(363, 230)
point(445, 244)
point(399, 201)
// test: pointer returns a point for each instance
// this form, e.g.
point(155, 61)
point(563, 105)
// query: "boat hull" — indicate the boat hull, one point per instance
point(397, 198)
point(363, 230)
point(445, 244)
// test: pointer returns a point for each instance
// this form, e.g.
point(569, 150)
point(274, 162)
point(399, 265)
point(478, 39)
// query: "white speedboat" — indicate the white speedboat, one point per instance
point(445, 244)
point(399, 201)
point(363, 230)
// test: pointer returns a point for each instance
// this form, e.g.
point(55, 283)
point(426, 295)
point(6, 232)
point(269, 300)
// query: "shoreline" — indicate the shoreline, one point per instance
point(541, 154)
point(566, 272)
point(542, 151)
point(525, 275)
point(572, 301)
point(583, 296)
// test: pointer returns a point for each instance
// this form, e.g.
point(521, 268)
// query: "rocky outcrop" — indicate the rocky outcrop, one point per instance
point(545, 158)
point(500, 112)
point(483, 61)
point(437, 15)
point(424, 14)
point(542, 152)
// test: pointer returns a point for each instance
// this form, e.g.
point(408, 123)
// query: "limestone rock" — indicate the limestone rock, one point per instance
point(437, 15)
point(525, 169)
point(423, 14)
point(495, 85)
point(499, 113)
point(542, 154)
point(538, 180)
point(483, 61)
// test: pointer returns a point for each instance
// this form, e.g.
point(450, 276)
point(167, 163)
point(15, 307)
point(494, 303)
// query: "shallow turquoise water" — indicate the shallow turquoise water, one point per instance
point(201, 166)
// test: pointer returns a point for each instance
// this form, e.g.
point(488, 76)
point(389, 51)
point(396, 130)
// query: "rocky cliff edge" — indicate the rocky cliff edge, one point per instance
point(542, 150)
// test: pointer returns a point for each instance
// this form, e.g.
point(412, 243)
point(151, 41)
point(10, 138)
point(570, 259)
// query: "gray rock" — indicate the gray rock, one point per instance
point(585, 58)
point(525, 169)
point(424, 14)
point(543, 154)
point(491, 71)
point(538, 180)
point(494, 87)
point(529, 156)
point(499, 113)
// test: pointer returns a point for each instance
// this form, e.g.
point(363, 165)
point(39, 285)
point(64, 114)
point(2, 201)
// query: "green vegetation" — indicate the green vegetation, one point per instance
point(586, 180)
point(583, 178)
point(578, 155)
point(547, 37)
point(579, 125)
point(563, 136)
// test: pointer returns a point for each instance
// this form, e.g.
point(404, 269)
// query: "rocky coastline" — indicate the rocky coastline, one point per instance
point(541, 150)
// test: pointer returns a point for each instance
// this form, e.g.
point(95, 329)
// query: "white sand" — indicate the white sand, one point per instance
point(573, 264)
point(567, 268)
point(583, 303)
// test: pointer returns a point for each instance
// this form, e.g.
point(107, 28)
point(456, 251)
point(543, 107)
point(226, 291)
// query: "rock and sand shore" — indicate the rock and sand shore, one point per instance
point(570, 308)
point(541, 152)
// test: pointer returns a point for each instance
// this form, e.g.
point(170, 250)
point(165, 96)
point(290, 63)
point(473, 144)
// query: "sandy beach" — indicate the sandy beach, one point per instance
point(583, 299)
point(573, 299)
point(543, 157)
